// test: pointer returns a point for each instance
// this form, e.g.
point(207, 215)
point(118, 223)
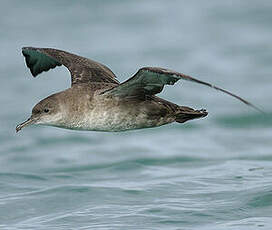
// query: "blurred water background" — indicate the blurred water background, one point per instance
point(212, 173)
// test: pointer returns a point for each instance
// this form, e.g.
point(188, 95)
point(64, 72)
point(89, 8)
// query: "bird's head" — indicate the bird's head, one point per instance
point(46, 112)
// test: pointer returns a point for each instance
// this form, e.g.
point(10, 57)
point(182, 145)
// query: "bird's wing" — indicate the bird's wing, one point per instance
point(82, 70)
point(151, 80)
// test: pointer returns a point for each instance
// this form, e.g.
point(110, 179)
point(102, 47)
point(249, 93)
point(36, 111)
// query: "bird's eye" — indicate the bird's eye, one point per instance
point(46, 110)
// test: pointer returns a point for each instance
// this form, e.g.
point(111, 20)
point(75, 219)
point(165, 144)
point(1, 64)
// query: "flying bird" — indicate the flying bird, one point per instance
point(96, 101)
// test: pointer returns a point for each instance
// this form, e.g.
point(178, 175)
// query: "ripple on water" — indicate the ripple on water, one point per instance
point(256, 120)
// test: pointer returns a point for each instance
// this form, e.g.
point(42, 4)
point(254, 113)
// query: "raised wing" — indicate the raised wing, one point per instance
point(151, 80)
point(82, 70)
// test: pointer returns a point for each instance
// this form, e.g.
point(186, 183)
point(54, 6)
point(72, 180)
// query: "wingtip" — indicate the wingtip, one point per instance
point(25, 48)
point(28, 48)
point(27, 56)
point(258, 109)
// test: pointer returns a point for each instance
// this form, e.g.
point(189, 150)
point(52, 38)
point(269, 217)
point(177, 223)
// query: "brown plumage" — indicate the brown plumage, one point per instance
point(97, 101)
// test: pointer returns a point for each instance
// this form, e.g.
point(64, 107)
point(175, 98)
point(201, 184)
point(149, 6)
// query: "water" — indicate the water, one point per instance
point(212, 173)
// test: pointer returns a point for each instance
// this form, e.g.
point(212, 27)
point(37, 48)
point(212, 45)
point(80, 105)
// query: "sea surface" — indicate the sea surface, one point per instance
point(208, 174)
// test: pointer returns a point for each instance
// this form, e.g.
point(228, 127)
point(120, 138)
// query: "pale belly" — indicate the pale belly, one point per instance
point(116, 118)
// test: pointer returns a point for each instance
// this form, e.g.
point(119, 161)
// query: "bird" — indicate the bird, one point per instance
point(97, 101)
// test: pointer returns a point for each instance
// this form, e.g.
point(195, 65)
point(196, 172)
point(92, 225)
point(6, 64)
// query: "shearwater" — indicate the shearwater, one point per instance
point(97, 101)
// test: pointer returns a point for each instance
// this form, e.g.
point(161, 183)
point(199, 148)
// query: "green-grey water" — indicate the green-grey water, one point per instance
point(212, 173)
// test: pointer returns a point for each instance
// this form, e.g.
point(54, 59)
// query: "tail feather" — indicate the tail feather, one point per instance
point(185, 114)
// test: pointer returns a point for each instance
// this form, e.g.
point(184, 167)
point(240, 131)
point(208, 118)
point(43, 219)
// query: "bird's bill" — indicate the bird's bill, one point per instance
point(28, 122)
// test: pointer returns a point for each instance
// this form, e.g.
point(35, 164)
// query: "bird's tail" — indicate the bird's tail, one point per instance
point(186, 113)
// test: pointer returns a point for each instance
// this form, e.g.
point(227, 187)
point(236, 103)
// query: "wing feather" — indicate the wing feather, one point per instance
point(82, 70)
point(151, 80)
